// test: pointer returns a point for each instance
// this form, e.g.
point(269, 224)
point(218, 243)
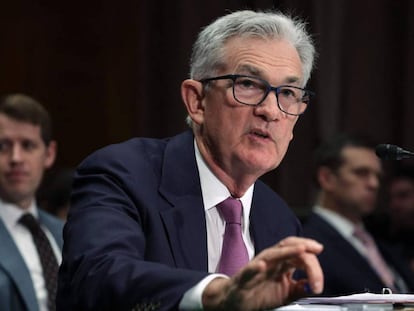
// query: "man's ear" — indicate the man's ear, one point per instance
point(192, 95)
point(326, 178)
point(50, 157)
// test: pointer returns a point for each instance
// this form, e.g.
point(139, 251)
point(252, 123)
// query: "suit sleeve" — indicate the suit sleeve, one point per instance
point(106, 238)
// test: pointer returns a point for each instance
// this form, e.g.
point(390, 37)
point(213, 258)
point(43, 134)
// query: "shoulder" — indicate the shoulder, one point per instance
point(53, 224)
point(139, 152)
point(128, 150)
point(272, 204)
point(138, 161)
point(264, 193)
point(316, 227)
point(312, 220)
point(49, 220)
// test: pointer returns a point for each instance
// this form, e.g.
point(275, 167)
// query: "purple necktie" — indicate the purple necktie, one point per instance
point(234, 253)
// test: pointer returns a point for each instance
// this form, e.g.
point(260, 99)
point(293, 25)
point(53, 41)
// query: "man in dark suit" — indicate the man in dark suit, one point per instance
point(349, 172)
point(26, 151)
point(146, 229)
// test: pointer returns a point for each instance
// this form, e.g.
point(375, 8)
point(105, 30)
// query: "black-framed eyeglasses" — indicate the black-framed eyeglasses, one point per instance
point(252, 91)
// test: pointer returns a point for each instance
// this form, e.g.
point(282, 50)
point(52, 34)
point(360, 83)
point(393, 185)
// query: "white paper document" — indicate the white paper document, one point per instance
point(316, 307)
point(356, 302)
point(366, 298)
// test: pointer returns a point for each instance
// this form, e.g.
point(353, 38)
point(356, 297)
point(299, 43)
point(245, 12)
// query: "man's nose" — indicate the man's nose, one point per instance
point(374, 181)
point(269, 108)
point(16, 153)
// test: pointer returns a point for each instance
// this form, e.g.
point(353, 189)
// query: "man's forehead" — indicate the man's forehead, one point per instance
point(10, 127)
point(263, 58)
point(404, 183)
point(351, 151)
point(360, 156)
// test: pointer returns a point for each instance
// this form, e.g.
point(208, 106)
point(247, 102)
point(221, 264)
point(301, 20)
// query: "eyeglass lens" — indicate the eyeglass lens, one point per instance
point(252, 91)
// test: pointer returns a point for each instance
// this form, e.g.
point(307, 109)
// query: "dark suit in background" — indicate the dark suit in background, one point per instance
point(346, 270)
point(349, 176)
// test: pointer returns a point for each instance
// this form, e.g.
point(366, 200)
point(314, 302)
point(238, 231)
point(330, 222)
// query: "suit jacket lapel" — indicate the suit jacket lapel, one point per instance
point(185, 221)
point(12, 262)
point(52, 226)
point(270, 222)
point(337, 242)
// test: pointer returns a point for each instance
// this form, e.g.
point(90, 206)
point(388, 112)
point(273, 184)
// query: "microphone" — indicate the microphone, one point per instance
point(392, 152)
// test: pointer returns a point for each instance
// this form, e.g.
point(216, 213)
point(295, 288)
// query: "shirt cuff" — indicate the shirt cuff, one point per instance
point(192, 299)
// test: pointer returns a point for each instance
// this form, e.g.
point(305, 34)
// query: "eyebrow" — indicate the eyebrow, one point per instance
point(250, 70)
point(292, 79)
point(254, 71)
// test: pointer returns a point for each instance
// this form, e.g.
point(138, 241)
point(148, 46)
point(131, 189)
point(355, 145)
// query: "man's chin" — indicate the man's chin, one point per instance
point(368, 210)
point(261, 163)
point(17, 198)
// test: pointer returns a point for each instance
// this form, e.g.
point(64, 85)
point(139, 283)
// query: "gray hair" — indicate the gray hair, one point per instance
point(208, 50)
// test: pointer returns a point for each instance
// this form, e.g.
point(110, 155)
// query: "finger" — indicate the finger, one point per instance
point(276, 253)
point(294, 253)
point(281, 261)
point(309, 244)
point(310, 263)
point(300, 289)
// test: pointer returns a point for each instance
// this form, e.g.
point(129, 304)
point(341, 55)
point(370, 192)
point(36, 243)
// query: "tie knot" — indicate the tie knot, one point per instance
point(30, 222)
point(230, 209)
point(362, 235)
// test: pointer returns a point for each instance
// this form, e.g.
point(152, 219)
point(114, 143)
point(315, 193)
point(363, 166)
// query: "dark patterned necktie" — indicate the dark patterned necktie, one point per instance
point(234, 253)
point(47, 257)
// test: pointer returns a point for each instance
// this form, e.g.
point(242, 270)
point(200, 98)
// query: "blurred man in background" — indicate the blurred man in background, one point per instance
point(401, 210)
point(30, 239)
point(349, 173)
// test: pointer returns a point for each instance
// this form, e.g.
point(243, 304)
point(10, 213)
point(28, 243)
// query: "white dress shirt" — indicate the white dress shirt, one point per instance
point(10, 214)
point(214, 192)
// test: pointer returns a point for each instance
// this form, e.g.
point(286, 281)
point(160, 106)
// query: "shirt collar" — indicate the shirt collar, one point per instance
point(343, 225)
point(213, 190)
point(11, 213)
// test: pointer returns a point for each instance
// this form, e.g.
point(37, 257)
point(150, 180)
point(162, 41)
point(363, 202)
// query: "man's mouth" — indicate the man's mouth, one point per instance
point(259, 133)
point(16, 175)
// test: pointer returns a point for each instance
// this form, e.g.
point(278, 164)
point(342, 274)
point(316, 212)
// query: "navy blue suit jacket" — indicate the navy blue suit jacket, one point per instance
point(136, 233)
point(16, 287)
point(345, 270)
